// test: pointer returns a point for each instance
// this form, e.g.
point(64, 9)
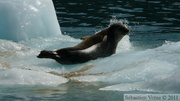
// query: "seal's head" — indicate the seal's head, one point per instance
point(119, 28)
point(117, 31)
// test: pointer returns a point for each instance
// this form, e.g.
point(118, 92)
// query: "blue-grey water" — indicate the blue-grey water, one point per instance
point(152, 22)
point(147, 61)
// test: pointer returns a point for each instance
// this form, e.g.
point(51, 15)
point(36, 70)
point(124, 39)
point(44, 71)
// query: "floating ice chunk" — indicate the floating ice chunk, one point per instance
point(29, 77)
point(26, 19)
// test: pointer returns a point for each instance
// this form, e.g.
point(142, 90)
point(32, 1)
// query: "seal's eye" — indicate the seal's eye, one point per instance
point(124, 29)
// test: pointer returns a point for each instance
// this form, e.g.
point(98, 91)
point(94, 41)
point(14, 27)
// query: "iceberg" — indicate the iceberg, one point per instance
point(27, 19)
point(22, 21)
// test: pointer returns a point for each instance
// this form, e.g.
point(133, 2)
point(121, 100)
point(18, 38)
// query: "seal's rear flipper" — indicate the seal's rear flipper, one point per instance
point(48, 54)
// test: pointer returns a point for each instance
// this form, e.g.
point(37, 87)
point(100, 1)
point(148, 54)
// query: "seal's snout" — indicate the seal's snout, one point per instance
point(126, 30)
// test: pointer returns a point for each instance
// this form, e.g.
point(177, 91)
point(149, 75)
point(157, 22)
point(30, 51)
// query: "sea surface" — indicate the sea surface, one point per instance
point(151, 22)
point(146, 61)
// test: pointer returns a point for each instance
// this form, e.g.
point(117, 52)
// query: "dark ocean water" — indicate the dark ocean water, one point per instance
point(152, 22)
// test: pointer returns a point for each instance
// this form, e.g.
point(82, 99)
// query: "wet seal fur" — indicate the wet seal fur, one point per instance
point(101, 44)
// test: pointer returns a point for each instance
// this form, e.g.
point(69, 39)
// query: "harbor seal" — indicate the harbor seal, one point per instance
point(101, 44)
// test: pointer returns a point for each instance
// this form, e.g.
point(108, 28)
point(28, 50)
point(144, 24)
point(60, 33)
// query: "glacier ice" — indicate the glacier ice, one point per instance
point(26, 19)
